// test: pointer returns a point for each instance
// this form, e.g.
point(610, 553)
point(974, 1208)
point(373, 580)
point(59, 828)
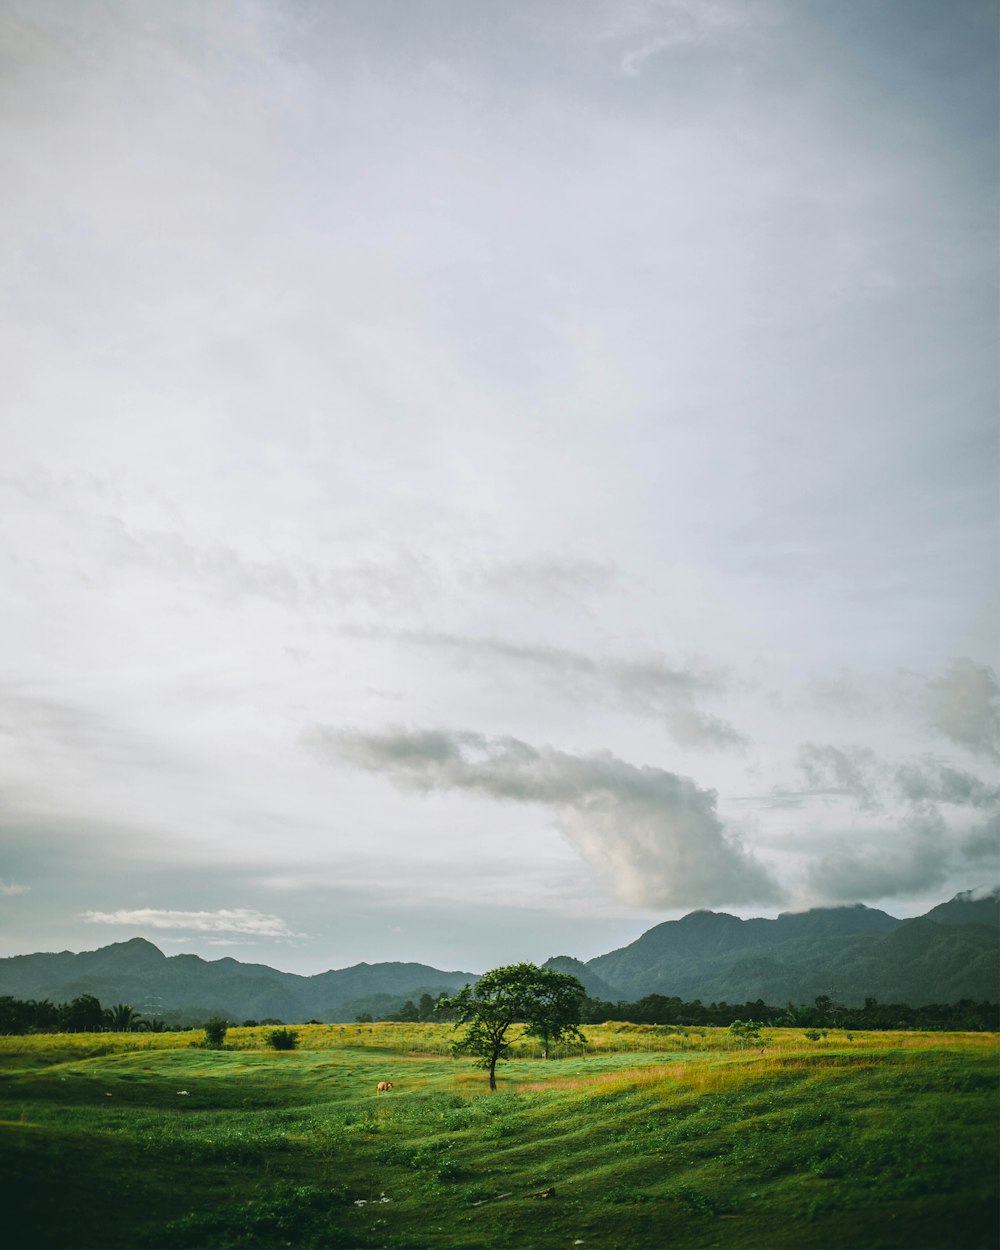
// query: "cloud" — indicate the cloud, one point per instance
point(914, 851)
point(929, 780)
point(979, 893)
point(234, 920)
point(983, 842)
point(8, 889)
point(385, 575)
point(654, 834)
point(666, 24)
point(644, 687)
point(854, 771)
point(547, 581)
point(963, 704)
point(912, 861)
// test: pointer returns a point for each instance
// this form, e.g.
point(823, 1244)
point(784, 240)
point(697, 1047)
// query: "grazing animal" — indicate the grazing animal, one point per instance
point(383, 1087)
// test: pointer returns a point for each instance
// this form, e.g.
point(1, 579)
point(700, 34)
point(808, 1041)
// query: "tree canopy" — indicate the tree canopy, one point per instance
point(548, 1004)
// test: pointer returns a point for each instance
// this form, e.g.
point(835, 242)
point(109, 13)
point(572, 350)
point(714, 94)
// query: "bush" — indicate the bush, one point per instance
point(215, 1032)
point(283, 1039)
point(745, 1032)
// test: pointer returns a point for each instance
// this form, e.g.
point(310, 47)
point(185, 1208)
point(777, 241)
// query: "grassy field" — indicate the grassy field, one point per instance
point(651, 1137)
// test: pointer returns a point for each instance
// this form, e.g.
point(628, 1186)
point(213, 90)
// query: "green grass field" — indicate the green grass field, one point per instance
point(651, 1137)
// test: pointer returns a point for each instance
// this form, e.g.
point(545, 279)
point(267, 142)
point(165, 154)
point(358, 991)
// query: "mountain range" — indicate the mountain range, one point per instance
point(846, 953)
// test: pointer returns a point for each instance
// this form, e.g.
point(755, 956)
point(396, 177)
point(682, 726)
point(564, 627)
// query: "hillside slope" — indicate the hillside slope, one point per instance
point(847, 953)
point(189, 987)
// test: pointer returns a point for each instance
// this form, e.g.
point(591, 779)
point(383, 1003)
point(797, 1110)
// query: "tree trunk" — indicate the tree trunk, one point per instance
point(493, 1073)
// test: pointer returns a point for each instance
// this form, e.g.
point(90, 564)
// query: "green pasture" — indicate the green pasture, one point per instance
point(650, 1137)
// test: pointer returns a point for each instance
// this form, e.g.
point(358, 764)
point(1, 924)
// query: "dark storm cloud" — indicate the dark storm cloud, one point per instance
point(655, 834)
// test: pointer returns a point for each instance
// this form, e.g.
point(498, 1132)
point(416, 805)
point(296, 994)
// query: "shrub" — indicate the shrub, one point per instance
point(745, 1033)
point(215, 1032)
point(283, 1039)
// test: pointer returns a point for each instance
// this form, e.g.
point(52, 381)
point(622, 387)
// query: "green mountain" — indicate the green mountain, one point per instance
point(846, 953)
point(595, 986)
point(187, 987)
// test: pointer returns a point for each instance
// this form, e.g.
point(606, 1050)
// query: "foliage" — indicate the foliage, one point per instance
point(83, 1015)
point(965, 1014)
point(122, 1018)
point(546, 1003)
point(745, 1033)
point(215, 1032)
point(556, 1005)
point(283, 1039)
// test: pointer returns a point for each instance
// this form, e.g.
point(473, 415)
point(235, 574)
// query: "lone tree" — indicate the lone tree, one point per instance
point(547, 1003)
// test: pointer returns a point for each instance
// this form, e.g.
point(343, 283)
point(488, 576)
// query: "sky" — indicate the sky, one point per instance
point(480, 480)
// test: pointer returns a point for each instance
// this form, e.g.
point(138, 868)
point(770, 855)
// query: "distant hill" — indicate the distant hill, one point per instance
point(846, 953)
point(595, 986)
point(187, 987)
point(969, 907)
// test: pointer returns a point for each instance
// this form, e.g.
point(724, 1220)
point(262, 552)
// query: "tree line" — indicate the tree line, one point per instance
point(966, 1015)
point(85, 1014)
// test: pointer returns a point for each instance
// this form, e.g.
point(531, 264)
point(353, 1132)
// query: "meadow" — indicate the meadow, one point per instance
point(650, 1136)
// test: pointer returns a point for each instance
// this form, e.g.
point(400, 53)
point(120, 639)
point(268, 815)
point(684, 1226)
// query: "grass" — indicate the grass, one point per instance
point(649, 1137)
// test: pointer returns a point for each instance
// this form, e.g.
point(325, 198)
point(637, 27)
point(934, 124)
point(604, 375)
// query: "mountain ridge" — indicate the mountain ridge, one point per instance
point(847, 953)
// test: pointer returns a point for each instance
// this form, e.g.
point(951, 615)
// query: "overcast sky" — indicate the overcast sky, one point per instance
point(478, 480)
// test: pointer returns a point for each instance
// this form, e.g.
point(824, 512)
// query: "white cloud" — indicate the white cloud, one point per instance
point(655, 835)
point(226, 920)
point(8, 889)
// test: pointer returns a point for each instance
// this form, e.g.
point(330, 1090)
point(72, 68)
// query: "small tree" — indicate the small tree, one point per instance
point(283, 1039)
point(215, 1032)
point(503, 997)
point(745, 1032)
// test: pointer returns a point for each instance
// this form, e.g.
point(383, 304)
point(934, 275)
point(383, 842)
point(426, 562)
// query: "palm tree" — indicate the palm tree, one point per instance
point(121, 1018)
